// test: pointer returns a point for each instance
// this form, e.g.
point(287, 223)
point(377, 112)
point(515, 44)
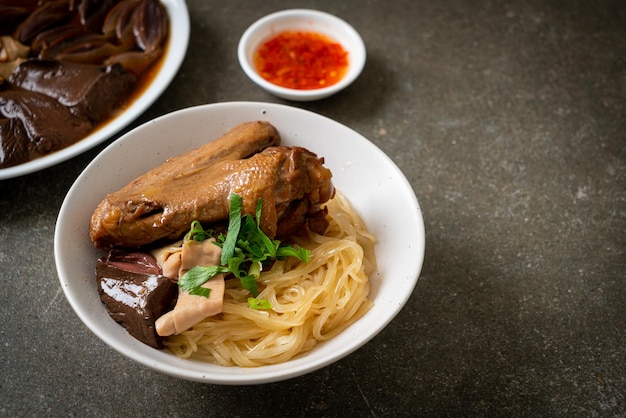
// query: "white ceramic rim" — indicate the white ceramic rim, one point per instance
point(399, 226)
point(174, 55)
point(317, 20)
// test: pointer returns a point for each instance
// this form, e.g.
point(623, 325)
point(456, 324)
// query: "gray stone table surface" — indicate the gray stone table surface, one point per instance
point(509, 120)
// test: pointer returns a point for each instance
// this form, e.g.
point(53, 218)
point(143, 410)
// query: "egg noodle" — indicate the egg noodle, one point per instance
point(312, 302)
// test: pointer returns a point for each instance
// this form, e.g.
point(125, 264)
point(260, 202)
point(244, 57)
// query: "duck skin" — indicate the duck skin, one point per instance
point(248, 161)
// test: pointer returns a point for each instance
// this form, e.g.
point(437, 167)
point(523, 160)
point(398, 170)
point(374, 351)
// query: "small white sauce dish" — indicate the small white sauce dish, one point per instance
point(305, 20)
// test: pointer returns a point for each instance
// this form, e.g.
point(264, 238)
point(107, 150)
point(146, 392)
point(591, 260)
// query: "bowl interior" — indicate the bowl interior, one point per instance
point(302, 20)
point(365, 175)
point(173, 58)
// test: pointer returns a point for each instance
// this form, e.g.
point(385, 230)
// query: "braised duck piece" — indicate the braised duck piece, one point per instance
point(50, 126)
point(197, 185)
point(13, 142)
point(89, 90)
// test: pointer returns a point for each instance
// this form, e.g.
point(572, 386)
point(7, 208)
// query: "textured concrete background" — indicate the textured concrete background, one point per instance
point(509, 120)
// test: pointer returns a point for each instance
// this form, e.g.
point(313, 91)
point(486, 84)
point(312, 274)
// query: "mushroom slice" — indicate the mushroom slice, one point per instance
point(191, 309)
point(135, 62)
point(119, 23)
point(11, 50)
point(50, 14)
point(150, 26)
point(169, 258)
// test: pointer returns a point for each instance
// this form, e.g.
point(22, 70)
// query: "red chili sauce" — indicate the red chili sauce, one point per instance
point(301, 60)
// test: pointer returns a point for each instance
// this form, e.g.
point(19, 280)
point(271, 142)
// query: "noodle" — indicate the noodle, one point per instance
point(312, 302)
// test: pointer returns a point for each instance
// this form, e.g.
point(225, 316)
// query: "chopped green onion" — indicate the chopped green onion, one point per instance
point(245, 249)
point(255, 303)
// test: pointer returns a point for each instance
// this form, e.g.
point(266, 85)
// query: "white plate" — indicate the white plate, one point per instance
point(174, 55)
point(373, 184)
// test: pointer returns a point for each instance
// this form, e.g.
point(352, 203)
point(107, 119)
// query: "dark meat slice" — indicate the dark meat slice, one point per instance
point(134, 299)
point(50, 125)
point(162, 203)
point(13, 143)
point(88, 90)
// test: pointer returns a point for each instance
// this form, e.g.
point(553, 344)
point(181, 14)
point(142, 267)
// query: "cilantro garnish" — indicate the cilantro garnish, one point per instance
point(245, 249)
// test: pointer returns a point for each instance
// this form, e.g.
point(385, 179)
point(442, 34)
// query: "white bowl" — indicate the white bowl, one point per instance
point(302, 20)
point(174, 55)
point(374, 185)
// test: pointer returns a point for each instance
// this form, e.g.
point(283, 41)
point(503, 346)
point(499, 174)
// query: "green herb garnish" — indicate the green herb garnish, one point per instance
point(245, 250)
point(197, 233)
point(234, 226)
point(255, 303)
point(197, 276)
